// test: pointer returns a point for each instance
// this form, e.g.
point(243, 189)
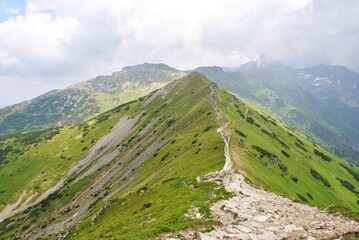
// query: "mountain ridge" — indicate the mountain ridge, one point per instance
point(313, 100)
point(154, 172)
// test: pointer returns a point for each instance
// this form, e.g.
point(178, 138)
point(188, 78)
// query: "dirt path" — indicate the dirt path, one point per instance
point(226, 138)
point(22, 200)
point(245, 114)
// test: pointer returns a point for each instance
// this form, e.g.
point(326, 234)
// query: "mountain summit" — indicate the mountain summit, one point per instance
point(83, 100)
point(174, 164)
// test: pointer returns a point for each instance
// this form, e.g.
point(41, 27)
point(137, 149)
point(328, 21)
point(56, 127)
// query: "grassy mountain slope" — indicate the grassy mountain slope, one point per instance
point(272, 155)
point(320, 101)
point(141, 182)
point(81, 101)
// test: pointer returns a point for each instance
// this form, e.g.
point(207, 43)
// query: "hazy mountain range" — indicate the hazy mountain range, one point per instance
point(320, 101)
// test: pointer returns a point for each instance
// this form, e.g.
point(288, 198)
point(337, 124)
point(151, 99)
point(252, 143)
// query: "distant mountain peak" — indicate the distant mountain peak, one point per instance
point(211, 68)
point(82, 100)
point(149, 67)
point(264, 60)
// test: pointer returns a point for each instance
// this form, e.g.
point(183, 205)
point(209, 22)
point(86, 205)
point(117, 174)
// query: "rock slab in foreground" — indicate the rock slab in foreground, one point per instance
point(256, 214)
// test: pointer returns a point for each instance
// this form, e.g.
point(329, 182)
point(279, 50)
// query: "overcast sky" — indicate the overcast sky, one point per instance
point(48, 44)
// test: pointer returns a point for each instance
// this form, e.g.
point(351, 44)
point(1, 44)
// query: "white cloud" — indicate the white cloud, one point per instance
point(12, 11)
point(7, 61)
point(61, 40)
point(37, 36)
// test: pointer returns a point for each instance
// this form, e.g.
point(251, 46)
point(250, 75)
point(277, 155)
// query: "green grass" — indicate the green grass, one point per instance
point(42, 164)
point(169, 201)
point(259, 168)
point(41, 211)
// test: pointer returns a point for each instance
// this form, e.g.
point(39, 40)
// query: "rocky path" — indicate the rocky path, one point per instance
point(257, 214)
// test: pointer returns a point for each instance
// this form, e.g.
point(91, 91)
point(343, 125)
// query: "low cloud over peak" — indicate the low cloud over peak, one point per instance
point(54, 43)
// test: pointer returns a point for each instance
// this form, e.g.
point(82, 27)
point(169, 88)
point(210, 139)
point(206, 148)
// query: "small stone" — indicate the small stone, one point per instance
point(203, 236)
point(290, 228)
point(261, 218)
point(232, 230)
point(267, 235)
point(274, 228)
point(243, 229)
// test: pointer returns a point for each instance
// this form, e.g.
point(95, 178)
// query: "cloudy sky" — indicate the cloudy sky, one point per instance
point(48, 44)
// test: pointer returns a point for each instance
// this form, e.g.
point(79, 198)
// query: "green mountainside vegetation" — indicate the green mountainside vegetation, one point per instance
point(131, 172)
